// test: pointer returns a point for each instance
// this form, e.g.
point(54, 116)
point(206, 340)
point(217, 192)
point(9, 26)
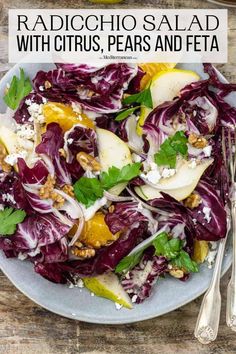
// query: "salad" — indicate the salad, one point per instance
point(112, 178)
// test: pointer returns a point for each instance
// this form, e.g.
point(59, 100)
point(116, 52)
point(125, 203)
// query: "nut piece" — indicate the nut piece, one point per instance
point(83, 252)
point(177, 273)
point(47, 84)
point(197, 141)
point(88, 162)
point(3, 164)
point(62, 153)
point(193, 201)
point(68, 190)
point(47, 191)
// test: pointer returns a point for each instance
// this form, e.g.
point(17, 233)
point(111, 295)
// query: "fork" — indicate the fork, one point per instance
point(207, 324)
point(231, 289)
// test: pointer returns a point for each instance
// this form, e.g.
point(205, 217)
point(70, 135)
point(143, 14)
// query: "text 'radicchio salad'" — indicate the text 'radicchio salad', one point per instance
point(112, 178)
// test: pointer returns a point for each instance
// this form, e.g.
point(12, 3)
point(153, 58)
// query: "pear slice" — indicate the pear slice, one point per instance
point(179, 186)
point(107, 285)
point(112, 151)
point(12, 142)
point(166, 85)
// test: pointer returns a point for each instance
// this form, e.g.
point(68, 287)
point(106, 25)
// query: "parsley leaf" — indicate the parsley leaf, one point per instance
point(184, 261)
point(129, 262)
point(9, 218)
point(132, 260)
point(126, 113)
point(170, 148)
point(88, 190)
point(115, 175)
point(144, 98)
point(171, 249)
point(19, 88)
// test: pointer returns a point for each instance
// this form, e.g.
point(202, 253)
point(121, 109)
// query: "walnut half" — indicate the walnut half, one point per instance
point(197, 141)
point(193, 201)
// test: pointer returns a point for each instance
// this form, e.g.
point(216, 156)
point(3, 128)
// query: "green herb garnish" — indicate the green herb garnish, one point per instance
point(9, 218)
point(88, 190)
point(177, 144)
point(19, 88)
point(115, 175)
point(171, 249)
point(144, 98)
point(126, 113)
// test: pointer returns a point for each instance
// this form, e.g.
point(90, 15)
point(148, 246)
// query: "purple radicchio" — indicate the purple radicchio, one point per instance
point(108, 257)
point(210, 215)
point(79, 139)
point(22, 114)
point(140, 280)
point(52, 142)
point(31, 179)
point(75, 83)
point(34, 232)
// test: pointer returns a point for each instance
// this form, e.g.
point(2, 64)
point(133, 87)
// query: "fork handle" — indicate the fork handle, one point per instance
point(207, 325)
point(231, 290)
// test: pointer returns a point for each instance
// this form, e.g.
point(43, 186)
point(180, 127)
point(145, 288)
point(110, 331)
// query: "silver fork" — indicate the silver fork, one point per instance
point(207, 325)
point(231, 290)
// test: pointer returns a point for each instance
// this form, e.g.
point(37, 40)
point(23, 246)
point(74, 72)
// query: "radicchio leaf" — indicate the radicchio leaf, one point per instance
point(52, 142)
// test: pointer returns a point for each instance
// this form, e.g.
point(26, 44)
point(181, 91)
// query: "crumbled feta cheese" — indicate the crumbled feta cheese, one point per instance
point(12, 158)
point(76, 107)
point(193, 163)
point(71, 286)
point(41, 88)
point(134, 298)
point(25, 131)
point(136, 158)
point(80, 283)
point(28, 102)
point(44, 100)
point(118, 306)
point(70, 141)
point(152, 176)
point(210, 258)
point(36, 112)
point(92, 294)
point(206, 212)
point(194, 221)
point(6, 197)
point(22, 256)
point(207, 150)
point(168, 172)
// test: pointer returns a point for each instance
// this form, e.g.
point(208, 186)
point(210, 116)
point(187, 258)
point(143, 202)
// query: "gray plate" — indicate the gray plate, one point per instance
point(168, 295)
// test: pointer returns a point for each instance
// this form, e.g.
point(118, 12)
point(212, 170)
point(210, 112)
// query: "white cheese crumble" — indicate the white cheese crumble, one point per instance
point(12, 158)
point(41, 88)
point(136, 158)
point(206, 212)
point(25, 131)
point(152, 176)
point(92, 294)
point(76, 107)
point(70, 141)
point(168, 172)
point(134, 298)
point(22, 256)
point(36, 112)
point(210, 258)
point(207, 150)
point(118, 306)
point(6, 197)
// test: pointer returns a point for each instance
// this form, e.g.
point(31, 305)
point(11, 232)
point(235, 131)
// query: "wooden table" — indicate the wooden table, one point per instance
point(26, 328)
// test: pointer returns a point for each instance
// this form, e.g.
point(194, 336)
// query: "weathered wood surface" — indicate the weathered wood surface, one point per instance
point(26, 328)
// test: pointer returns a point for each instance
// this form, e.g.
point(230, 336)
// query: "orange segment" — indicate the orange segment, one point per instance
point(65, 116)
point(151, 69)
point(96, 232)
